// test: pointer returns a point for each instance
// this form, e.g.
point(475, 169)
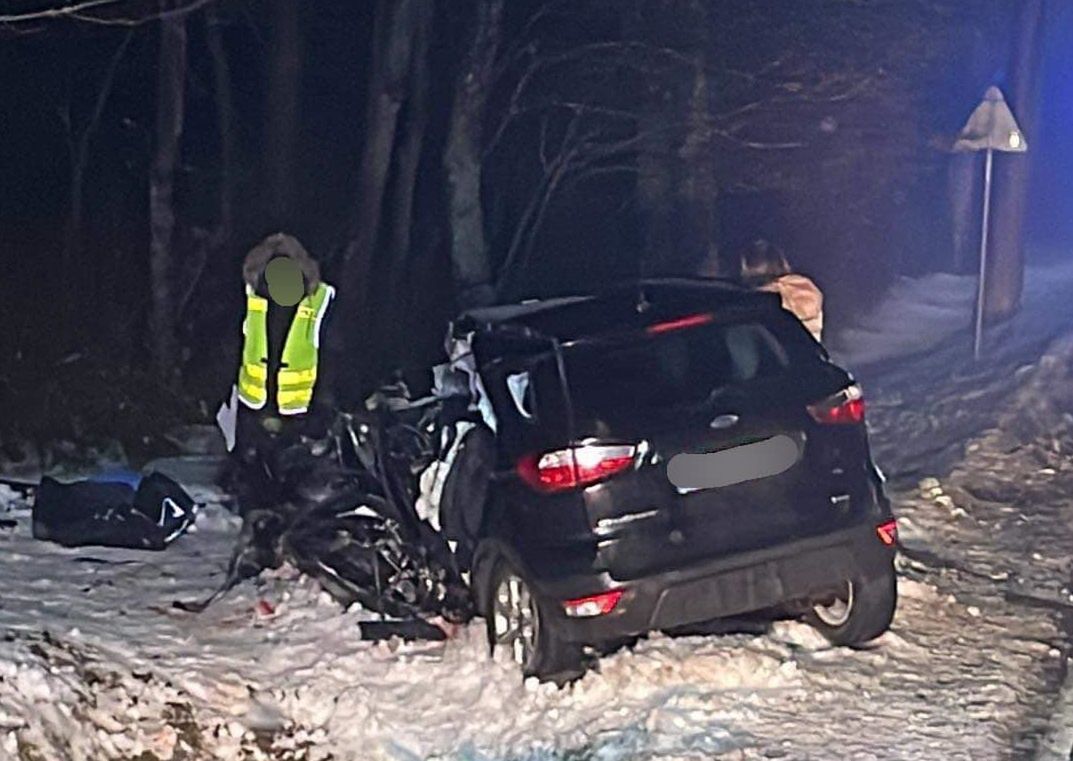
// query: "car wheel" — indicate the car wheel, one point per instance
point(858, 612)
point(518, 630)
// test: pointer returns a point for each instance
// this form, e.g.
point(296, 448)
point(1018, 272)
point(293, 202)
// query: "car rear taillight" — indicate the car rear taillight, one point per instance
point(845, 407)
point(570, 468)
point(888, 533)
point(593, 605)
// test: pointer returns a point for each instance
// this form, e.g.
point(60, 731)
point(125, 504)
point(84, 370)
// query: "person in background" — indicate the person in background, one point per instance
point(285, 383)
point(764, 267)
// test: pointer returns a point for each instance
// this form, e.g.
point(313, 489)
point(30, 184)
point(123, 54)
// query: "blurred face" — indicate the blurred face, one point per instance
point(284, 279)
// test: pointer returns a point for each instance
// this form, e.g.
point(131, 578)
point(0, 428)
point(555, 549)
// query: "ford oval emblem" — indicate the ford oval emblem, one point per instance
point(723, 421)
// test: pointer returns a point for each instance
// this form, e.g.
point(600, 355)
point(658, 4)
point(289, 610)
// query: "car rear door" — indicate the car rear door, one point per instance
point(731, 459)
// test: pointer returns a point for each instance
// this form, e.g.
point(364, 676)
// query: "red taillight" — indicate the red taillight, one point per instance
point(888, 533)
point(577, 466)
point(845, 407)
point(593, 605)
point(691, 321)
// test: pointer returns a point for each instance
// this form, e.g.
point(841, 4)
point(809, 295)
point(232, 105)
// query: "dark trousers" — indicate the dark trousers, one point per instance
point(256, 461)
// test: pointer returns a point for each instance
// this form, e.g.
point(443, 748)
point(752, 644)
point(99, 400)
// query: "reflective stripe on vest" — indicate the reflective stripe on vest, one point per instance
point(298, 365)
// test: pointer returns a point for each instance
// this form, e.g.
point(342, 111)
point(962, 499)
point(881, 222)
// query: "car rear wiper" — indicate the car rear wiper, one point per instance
point(702, 407)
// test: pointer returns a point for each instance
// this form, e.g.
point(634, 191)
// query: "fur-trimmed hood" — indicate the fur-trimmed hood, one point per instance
point(279, 244)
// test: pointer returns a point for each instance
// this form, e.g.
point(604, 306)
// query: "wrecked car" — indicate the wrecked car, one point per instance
point(346, 518)
point(664, 453)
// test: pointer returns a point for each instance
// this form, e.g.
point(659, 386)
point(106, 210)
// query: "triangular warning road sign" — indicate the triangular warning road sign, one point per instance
point(992, 127)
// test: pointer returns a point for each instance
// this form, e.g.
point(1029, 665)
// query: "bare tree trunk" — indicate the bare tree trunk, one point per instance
point(408, 156)
point(284, 85)
point(661, 174)
point(698, 190)
point(79, 149)
point(171, 86)
point(1007, 258)
point(393, 42)
point(964, 170)
point(463, 158)
point(72, 236)
point(225, 120)
point(962, 174)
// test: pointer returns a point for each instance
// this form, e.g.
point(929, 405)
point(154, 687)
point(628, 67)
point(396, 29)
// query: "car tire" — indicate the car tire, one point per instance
point(861, 612)
point(517, 624)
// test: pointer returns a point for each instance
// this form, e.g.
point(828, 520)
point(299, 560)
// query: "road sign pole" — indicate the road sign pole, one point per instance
point(980, 293)
point(991, 127)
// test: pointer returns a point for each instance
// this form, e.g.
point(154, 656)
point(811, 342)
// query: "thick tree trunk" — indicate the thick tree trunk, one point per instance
point(225, 120)
point(408, 157)
point(393, 44)
point(1006, 258)
point(284, 86)
point(675, 182)
point(965, 170)
point(655, 179)
point(463, 159)
point(963, 173)
point(171, 87)
point(698, 190)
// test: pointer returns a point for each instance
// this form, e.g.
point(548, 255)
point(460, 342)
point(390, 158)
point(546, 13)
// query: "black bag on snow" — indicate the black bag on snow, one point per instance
point(112, 514)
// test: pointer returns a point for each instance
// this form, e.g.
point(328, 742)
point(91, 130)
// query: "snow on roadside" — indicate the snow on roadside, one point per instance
point(95, 665)
point(298, 684)
point(10, 499)
point(917, 315)
point(1006, 504)
point(965, 672)
point(1001, 520)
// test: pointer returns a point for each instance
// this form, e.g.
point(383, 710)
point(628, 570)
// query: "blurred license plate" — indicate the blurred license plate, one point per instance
point(748, 462)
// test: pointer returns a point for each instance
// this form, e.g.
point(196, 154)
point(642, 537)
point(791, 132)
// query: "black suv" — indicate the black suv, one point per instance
point(670, 452)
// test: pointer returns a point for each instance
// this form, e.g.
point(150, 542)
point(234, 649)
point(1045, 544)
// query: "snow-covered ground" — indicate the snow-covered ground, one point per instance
point(924, 314)
point(94, 664)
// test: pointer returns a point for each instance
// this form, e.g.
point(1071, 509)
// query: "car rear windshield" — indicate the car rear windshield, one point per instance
point(679, 367)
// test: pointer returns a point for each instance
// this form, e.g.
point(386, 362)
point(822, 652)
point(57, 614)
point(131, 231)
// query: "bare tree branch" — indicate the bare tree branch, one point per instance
point(523, 45)
point(49, 13)
point(623, 53)
point(757, 144)
point(82, 12)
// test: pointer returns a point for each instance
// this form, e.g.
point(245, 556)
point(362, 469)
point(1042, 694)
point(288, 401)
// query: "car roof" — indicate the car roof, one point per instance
point(502, 313)
point(629, 304)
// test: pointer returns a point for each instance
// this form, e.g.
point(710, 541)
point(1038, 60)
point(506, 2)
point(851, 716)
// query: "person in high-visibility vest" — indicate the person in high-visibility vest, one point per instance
point(282, 387)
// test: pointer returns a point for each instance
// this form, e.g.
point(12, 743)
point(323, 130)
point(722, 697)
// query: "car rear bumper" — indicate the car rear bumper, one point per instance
point(721, 588)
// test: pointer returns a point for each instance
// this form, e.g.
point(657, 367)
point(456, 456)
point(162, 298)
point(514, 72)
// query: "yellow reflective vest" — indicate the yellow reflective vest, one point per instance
point(298, 365)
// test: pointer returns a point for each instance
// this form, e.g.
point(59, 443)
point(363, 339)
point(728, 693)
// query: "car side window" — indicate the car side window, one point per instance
point(521, 393)
point(514, 392)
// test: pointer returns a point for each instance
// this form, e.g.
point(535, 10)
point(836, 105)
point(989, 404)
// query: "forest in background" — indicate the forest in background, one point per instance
point(436, 154)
